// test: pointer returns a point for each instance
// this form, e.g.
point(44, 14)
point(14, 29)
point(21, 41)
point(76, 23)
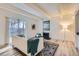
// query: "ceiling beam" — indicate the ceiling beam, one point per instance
point(14, 9)
point(39, 9)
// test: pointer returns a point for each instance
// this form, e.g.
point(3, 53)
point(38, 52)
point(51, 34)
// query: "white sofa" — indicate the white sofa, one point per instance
point(21, 44)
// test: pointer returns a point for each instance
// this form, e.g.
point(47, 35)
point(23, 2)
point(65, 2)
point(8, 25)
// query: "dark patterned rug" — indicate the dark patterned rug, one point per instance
point(49, 49)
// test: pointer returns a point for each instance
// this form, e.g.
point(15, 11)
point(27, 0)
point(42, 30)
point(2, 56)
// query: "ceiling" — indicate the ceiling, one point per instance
point(64, 11)
point(61, 12)
point(53, 9)
point(48, 10)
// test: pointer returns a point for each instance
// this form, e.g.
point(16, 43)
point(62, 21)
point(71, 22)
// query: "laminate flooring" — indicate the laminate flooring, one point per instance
point(66, 48)
point(11, 52)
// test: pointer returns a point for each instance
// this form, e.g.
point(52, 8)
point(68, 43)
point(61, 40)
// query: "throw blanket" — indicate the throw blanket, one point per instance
point(32, 45)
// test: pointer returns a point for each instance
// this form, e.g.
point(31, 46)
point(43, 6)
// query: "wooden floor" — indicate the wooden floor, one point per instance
point(65, 49)
point(11, 52)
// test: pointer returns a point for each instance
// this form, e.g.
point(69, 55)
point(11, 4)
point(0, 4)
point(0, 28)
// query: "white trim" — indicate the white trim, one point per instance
point(4, 49)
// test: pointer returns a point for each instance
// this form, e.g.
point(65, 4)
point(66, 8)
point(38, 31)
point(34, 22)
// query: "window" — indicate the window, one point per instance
point(17, 27)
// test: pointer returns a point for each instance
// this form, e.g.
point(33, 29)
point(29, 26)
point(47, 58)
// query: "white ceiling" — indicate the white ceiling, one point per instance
point(27, 8)
point(58, 9)
point(64, 12)
point(49, 10)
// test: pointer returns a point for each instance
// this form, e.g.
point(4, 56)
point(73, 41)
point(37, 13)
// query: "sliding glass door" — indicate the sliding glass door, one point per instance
point(16, 28)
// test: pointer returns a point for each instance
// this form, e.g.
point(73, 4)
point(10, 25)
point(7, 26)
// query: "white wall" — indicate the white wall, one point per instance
point(56, 28)
point(3, 26)
point(2, 30)
point(38, 27)
point(55, 31)
point(29, 22)
point(77, 22)
point(77, 29)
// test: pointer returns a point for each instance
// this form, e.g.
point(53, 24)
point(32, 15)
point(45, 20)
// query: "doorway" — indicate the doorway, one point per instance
point(16, 28)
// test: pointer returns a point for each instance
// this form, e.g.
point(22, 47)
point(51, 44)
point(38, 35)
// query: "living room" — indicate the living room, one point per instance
point(54, 23)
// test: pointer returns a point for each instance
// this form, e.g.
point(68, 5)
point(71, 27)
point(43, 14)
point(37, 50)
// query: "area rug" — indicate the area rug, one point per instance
point(49, 49)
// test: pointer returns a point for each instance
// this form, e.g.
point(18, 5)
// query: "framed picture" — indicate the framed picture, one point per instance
point(46, 25)
point(33, 26)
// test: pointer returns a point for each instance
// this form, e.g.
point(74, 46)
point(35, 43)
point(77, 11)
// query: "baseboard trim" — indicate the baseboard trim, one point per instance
point(4, 45)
